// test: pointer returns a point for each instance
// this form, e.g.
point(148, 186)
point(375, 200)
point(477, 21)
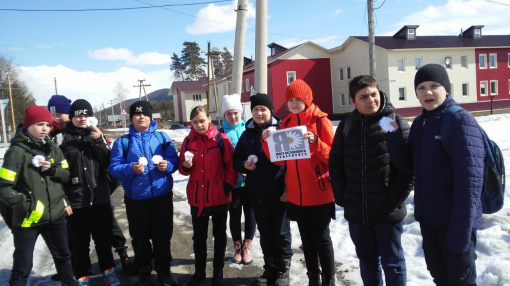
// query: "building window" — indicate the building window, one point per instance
point(400, 64)
point(411, 34)
point(463, 62)
point(465, 89)
point(509, 60)
point(197, 97)
point(494, 87)
point(417, 63)
point(483, 61)
point(342, 99)
point(341, 72)
point(448, 62)
point(401, 94)
point(493, 61)
point(483, 88)
point(348, 72)
point(291, 76)
point(478, 33)
point(247, 84)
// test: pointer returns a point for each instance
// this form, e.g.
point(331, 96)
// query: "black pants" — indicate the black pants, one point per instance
point(95, 221)
point(200, 228)
point(118, 238)
point(151, 228)
point(241, 201)
point(55, 236)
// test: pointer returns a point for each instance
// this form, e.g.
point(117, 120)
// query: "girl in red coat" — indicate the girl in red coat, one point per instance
point(208, 162)
point(309, 194)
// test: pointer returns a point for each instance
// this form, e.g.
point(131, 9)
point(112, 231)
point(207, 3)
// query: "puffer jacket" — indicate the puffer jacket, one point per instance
point(34, 199)
point(88, 160)
point(234, 133)
point(267, 181)
point(152, 183)
point(448, 187)
point(210, 171)
point(307, 180)
point(365, 181)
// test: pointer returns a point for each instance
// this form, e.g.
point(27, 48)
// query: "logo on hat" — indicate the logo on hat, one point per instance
point(138, 109)
point(80, 112)
point(53, 109)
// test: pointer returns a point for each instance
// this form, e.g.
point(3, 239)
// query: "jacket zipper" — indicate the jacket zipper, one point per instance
point(364, 198)
point(297, 172)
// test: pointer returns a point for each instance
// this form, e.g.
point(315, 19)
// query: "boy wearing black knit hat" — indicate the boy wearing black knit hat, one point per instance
point(448, 183)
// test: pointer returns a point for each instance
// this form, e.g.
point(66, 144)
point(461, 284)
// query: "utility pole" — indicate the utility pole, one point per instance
point(142, 85)
point(371, 37)
point(55, 85)
point(237, 67)
point(261, 47)
point(12, 108)
point(210, 66)
point(113, 114)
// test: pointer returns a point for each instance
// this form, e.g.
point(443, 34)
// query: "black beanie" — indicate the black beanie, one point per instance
point(141, 106)
point(262, 99)
point(432, 72)
point(80, 107)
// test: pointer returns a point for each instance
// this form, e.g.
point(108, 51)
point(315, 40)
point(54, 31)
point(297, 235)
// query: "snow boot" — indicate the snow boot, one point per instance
point(197, 278)
point(247, 257)
point(217, 279)
point(237, 258)
point(314, 278)
point(283, 272)
point(270, 274)
point(328, 280)
point(167, 279)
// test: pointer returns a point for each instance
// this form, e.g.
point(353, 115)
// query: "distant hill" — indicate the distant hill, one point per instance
point(157, 95)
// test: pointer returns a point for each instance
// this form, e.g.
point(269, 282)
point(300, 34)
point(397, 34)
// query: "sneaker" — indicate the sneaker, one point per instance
point(167, 280)
point(83, 281)
point(128, 266)
point(110, 277)
point(197, 278)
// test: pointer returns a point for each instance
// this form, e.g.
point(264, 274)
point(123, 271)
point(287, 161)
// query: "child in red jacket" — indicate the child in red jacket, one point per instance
point(212, 179)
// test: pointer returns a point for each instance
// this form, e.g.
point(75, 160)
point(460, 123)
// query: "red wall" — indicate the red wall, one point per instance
point(501, 73)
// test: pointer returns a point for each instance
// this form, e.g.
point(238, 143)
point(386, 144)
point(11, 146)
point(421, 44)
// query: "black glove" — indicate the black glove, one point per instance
point(227, 188)
point(50, 171)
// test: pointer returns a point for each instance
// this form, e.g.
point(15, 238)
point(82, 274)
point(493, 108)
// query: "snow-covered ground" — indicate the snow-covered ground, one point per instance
point(493, 248)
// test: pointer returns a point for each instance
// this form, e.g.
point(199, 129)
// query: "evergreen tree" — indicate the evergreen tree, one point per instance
point(191, 60)
point(227, 60)
point(177, 67)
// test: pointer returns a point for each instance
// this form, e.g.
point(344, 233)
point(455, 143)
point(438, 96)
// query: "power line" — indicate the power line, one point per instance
point(113, 9)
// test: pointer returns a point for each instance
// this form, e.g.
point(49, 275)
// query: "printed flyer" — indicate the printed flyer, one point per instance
point(288, 144)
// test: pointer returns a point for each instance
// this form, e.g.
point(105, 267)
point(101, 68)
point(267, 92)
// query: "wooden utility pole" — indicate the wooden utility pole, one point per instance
point(55, 85)
point(371, 37)
point(113, 114)
point(142, 85)
point(12, 108)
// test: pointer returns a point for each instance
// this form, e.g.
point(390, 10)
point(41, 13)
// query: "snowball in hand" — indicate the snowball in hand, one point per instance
point(385, 124)
point(253, 158)
point(142, 161)
point(91, 121)
point(188, 155)
point(156, 159)
point(37, 160)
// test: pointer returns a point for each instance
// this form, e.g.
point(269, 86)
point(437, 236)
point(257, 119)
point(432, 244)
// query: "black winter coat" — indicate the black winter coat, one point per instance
point(364, 179)
point(88, 161)
point(267, 181)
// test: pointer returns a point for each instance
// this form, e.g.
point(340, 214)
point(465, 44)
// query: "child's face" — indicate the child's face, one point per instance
point(367, 101)
point(141, 122)
point(431, 94)
point(260, 114)
point(60, 118)
point(39, 130)
point(232, 116)
point(80, 121)
point(201, 122)
point(296, 105)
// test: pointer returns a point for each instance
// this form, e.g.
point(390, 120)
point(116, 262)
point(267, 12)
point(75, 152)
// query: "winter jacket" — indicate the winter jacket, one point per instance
point(210, 170)
point(307, 180)
point(88, 161)
point(364, 179)
point(152, 183)
point(33, 197)
point(448, 187)
point(267, 181)
point(234, 133)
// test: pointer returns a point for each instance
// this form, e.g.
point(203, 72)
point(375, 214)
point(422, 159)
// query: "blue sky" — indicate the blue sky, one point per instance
point(90, 52)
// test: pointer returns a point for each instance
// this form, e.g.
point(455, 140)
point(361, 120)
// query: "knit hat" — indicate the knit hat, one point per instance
point(262, 99)
point(34, 114)
point(80, 107)
point(301, 90)
point(433, 72)
point(140, 106)
point(59, 104)
point(231, 102)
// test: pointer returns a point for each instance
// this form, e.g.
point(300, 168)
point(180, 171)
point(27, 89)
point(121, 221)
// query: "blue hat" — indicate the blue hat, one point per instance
point(59, 104)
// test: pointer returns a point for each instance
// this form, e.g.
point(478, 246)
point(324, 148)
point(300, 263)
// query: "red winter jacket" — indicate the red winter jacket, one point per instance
point(210, 169)
point(307, 180)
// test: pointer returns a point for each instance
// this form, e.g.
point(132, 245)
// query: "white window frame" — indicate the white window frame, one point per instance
point(247, 84)
point(493, 64)
point(495, 83)
point(466, 89)
point(399, 61)
point(478, 33)
point(411, 34)
point(482, 63)
point(291, 75)
point(348, 71)
point(197, 97)
point(483, 85)
point(463, 62)
point(417, 67)
point(403, 89)
point(341, 73)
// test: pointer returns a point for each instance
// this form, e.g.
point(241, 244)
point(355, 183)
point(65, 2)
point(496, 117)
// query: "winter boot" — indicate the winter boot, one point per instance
point(270, 274)
point(283, 272)
point(110, 278)
point(167, 279)
point(217, 279)
point(328, 280)
point(314, 278)
point(144, 277)
point(237, 258)
point(247, 257)
point(128, 265)
point(197, 278)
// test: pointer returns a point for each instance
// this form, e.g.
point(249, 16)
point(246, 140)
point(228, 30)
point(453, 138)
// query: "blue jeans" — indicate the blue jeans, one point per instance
point(445, 266)
point(55, 236)
point(376, 245)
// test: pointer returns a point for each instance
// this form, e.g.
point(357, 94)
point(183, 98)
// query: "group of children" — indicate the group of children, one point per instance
point(366, 167)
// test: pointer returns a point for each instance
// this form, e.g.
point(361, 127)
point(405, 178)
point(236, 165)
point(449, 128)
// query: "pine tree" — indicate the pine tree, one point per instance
point(191, 60)
point(177, 67)
point(227, 60)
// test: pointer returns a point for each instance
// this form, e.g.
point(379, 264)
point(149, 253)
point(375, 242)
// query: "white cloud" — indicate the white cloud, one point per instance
point(95, 87)
point(339, 11)
point(129, 58)
point(217, 19)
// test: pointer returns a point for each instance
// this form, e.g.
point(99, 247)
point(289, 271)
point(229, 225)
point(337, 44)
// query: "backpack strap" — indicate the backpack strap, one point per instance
point(347, 127)
point(161, 139)
point(26, 148)
point(124, 141)
point(219, 140)
point(446, 124)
